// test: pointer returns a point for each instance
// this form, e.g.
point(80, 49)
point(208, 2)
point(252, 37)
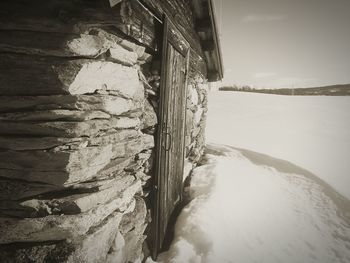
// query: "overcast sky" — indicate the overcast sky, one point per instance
point(285, 43)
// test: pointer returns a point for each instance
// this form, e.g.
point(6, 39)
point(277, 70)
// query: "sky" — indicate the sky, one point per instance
point(285, 43)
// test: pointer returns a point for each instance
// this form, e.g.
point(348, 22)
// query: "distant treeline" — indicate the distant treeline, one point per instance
point(335, 90)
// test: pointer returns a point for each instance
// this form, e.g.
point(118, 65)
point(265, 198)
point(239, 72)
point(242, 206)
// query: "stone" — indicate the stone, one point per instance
point(86, 45)
point(197, 130)
point(143, 177)
point(106, 76)
point(54, 167)
point(193, 95)
point(134, 242)
point(57, 143)
point(43, 143)
point(188, 167)
point(136, 218)
point(9, 208)
point(115, 167)
point(144, 58)
point(122, 55)
point(69, 129)
point(112, 105)
point(189, 126)
point(92, 247)
point(149, 117)
point(54, 115)
point(111, 41)
point(198, 115)
point(19, 190)
point(116, 253)
point(114, 137)
point(95, 245)
point(15, 189)
point(203, 86)
point(54, 228)
point(77, 203)
point(132, 228)
point(38, 253)
point(67, 167)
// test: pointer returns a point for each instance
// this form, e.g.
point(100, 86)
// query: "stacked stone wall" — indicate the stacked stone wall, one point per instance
point(78, 120)
point(76, 140)
point(196, 115)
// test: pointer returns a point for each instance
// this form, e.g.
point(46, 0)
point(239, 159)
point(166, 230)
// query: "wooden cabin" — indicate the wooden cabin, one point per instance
point(102, 116)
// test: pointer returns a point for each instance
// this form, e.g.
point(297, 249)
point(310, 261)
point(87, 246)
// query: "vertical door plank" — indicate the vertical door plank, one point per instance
point(170, 138)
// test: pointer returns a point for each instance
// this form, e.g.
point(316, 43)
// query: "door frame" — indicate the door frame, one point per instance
point(162, 133)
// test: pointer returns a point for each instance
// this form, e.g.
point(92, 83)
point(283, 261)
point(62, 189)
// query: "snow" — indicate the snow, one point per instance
point(244, 208)
point(247, 206)
point(310, 131)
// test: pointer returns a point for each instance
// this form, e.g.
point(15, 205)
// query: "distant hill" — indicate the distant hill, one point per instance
point(334, 90)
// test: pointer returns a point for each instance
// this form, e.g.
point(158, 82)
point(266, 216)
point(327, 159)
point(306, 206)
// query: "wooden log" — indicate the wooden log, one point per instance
point(89, 45)
point(51, 44)
point(179, 12)
point(138, 23)
point(78, 16)
point(52, 76)
point(64, 16)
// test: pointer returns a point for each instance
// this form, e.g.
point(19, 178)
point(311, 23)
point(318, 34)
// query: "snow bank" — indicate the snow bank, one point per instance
point(310, 131)
point(248, 207)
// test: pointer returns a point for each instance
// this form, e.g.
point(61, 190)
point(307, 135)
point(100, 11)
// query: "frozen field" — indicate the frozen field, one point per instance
point(311, 132)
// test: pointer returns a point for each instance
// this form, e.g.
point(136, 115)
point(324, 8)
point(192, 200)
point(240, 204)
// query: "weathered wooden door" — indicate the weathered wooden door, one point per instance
point(171, 133)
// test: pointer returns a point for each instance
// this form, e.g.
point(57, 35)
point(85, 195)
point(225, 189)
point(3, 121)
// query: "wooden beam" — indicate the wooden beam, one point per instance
point(213, 76)
point(203, 24)
point(216, 39)
point(208, 45)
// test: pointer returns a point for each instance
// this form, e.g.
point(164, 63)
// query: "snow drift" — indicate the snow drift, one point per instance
point(249, 207)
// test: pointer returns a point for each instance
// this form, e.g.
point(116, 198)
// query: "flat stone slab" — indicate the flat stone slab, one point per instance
point(80, 203)
point(11, 189)
point(16, 189)
point(113, 105)
point(69, 203)
point(62, 227)
point(58, 143)
point(54, 115)
point(69, 166)
point(92, 247)
point(68, 129)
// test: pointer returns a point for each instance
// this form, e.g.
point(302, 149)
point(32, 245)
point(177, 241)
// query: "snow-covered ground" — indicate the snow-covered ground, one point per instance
point(250, 207)
point(310, 131)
